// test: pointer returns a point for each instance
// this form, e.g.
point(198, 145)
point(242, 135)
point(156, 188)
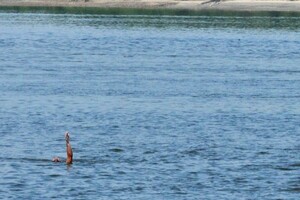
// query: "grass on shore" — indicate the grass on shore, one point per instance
point(137, 11)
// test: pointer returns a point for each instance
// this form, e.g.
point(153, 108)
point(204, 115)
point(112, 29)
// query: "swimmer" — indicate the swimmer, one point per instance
point(69, 151)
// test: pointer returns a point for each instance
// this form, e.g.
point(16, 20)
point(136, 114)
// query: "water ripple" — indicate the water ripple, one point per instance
point(158, 107)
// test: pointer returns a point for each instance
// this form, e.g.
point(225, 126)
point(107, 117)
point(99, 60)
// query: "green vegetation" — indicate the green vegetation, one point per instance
point(130, 11)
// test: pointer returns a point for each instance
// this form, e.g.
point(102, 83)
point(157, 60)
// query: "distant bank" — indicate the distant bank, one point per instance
point(192, 5)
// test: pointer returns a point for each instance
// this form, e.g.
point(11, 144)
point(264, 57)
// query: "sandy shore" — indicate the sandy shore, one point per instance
point(233, 5)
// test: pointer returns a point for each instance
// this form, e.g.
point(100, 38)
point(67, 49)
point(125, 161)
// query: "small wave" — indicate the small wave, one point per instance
point(42, 160)
point(177, 190)
point(295, 164)
point(193, 151)
point(263, 153)
point(284, 168)
point(121, 172)
point(37, 159)
point(116, 150)
point(139, 188)
point(289, 167)
point(292, 189)
point(150, 152)
point(25, 159)
point(90, 161)
point(55, 175)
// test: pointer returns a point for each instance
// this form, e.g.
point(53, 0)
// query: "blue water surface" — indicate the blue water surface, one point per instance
point(158, 107)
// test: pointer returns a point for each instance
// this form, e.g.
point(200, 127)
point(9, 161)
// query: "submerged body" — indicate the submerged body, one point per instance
point(69, 150)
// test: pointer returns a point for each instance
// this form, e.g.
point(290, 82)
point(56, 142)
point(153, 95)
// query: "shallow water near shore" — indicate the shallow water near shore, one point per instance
point(158, 107)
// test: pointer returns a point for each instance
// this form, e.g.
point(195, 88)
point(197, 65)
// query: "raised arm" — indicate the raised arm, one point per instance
point(69, 149)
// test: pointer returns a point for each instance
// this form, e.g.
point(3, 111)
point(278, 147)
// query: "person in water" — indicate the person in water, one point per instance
point(69, 151)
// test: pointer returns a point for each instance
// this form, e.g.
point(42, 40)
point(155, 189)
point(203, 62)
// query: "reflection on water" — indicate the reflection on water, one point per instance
point(140, 11)
point(166, 107)
point(160, 21)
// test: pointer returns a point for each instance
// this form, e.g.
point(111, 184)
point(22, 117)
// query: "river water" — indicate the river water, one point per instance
point(158, 107)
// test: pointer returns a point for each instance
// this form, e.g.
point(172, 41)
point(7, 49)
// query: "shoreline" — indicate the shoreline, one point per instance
point(190, 5)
